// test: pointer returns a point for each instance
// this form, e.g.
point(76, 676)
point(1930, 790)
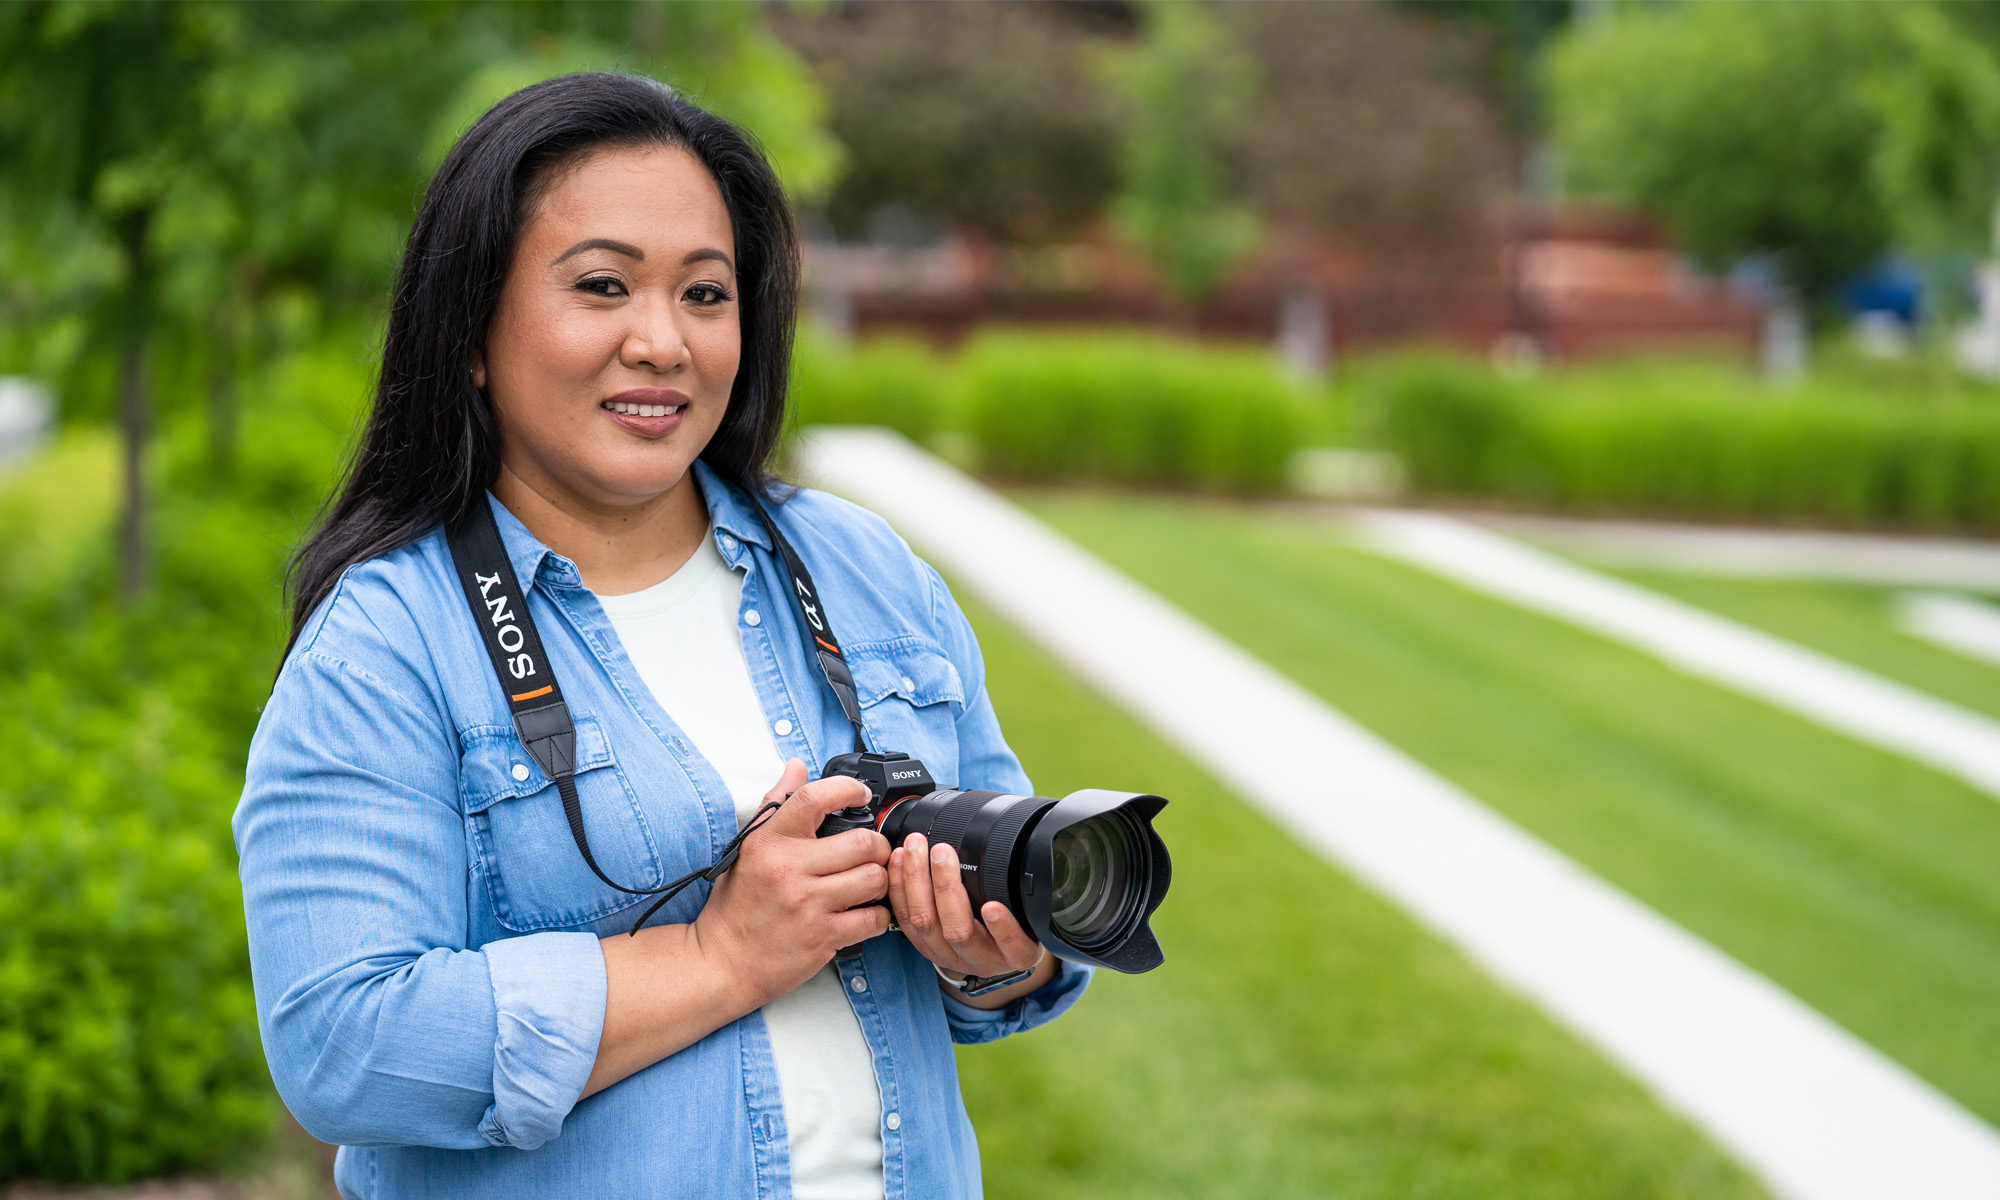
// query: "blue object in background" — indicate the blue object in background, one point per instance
point(1891, 286)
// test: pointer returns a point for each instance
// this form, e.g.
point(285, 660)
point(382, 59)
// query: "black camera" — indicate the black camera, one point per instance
point(1082, 874)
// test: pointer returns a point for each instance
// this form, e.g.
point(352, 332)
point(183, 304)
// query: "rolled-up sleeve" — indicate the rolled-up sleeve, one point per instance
point(548, 1028)
point(380, 1024)
point(970, 1026)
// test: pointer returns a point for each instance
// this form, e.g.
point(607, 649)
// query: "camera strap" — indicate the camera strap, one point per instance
point(535, 699)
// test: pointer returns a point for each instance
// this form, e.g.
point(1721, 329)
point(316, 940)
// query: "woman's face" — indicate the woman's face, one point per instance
point(612, 352)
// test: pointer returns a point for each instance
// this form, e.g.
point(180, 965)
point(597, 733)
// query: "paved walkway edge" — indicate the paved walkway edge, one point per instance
point(1815, 1112)
point(1858, 703)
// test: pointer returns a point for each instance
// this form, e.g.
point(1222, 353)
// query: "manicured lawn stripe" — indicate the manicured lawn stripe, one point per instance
point(1854, 622)
point(1861, 704)
point(1303, 1039)
point(1857, 880)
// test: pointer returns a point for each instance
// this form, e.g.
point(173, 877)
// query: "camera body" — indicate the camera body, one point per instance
point(891, 779)
point(1082, 874)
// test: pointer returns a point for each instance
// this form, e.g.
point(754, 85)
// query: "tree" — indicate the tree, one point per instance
point(177, 167)
point(981, 113)
point(1819, 133)
point(1185, 85)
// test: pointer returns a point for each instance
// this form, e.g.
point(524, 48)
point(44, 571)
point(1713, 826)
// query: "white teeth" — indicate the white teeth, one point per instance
point(642, 410)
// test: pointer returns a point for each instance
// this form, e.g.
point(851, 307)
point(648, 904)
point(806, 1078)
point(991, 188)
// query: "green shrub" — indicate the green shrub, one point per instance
point(128, 1038)
point(1693, 440)
point(892, 381)
point(1128, 408)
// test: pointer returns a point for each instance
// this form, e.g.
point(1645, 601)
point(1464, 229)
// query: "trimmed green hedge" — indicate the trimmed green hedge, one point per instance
point(1114, 407)
point(1693, 441)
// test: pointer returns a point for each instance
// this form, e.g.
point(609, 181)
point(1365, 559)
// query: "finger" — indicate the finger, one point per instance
point(954, 907)
point(830, 856)
point(864, 884)
point(860, 924)
point(809, 803)
point(1020, 950)
point(916, 913)
point(898, 865)
point(790, 780)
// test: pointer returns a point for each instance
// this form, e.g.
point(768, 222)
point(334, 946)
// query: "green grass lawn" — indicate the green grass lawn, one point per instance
point(1863, 883)
point(1851, 622)
point(1303, 1039)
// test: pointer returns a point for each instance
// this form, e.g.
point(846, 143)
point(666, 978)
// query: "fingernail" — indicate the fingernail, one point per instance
point(940, 854)
point(895, 858)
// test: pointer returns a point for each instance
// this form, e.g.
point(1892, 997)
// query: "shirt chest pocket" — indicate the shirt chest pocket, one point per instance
point(911, 697)
point(535, 875)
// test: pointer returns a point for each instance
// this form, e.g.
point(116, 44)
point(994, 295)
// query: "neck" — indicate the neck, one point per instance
point(616, 549)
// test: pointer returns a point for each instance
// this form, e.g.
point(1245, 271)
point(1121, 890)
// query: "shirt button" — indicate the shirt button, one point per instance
point(907, 685)
point(520, 772)
point(751, 618)
point(860, 984)
point(783, 728)
point(728, 544)
point(893, 1121)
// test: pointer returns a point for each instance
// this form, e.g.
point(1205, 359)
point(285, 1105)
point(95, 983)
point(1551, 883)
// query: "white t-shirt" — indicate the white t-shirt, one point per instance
point(682, 636)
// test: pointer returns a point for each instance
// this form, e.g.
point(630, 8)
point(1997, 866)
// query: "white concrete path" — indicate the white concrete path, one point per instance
point(1858, 703)
point(1970, 627)
point(1887, 559)
point(1815, 1112)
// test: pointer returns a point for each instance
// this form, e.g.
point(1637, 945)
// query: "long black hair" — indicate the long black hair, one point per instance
point(431, 447)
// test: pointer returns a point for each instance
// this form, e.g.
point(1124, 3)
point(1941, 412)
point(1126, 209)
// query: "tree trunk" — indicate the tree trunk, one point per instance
point(133, 574)
point(134, 409)
point(222, 391)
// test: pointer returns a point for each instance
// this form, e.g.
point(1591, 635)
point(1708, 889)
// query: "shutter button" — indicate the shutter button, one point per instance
point(859, 983)
point(520, 772)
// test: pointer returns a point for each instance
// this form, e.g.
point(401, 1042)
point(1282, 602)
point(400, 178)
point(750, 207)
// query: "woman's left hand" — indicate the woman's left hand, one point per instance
point(934, 912)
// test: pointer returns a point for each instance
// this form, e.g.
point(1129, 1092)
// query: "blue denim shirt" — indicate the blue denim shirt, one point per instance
point(423, 931)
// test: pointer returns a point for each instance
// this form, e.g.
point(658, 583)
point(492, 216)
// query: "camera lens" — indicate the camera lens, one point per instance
point(1082, 873)
point(1093, 861)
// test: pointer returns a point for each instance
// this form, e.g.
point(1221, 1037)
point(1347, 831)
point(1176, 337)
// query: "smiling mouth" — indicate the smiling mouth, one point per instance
point(641, 410)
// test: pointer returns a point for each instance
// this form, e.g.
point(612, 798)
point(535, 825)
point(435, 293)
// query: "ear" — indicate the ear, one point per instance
point(479, 369)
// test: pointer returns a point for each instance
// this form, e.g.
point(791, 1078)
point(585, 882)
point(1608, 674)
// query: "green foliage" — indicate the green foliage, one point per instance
point(898, 382)
point(128, 1040)
point(1130, 409)
point(1185, 84)
point(1693, 440)
point(1813, 131)
point(1116, 407)
point(980, 113)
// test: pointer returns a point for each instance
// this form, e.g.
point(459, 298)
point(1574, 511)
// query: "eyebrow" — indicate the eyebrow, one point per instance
point(625, 248)
point(711, 254)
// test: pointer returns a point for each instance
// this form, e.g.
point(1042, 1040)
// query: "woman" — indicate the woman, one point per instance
point(587, 355)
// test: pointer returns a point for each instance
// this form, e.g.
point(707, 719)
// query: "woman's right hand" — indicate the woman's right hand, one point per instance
point(789, 901)
point(774, 918)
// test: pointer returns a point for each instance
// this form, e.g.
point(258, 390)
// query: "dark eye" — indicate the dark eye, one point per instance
point(602, 285)
point(707, 294)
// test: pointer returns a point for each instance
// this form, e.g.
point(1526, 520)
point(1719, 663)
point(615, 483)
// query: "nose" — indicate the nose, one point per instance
point(654, 340)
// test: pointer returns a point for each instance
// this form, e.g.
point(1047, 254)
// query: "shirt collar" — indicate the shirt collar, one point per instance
point(526, 552)
point(728, 512)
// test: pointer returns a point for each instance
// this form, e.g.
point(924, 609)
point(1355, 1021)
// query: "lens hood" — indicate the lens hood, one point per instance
point(1118, 826)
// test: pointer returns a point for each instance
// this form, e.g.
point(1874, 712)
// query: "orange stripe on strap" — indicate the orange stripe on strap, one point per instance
point(830, 646)
point(531, 695)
